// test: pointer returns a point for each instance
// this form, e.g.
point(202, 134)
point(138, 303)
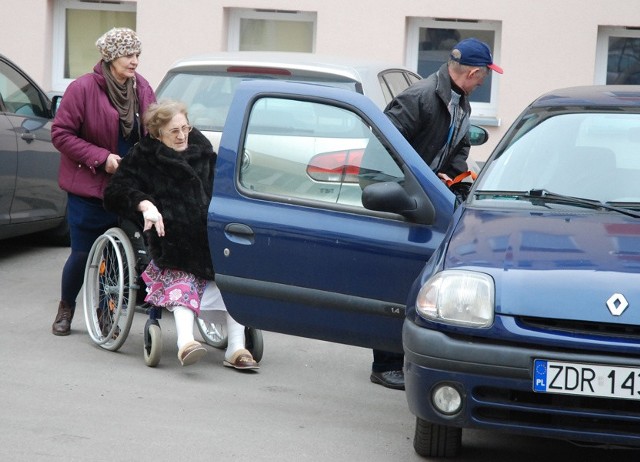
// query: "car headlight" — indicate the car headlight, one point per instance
point(463, 298)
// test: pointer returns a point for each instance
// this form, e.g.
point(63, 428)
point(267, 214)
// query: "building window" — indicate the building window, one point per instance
point(77, 26)
point(429, 43)
point(618, 56)
point(271, 30)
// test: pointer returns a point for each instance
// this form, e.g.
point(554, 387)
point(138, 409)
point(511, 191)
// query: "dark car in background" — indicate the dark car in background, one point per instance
point(30, 199)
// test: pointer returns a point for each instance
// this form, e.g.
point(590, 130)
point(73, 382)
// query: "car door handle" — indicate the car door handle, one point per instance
point(28, 137)
point(240, 233)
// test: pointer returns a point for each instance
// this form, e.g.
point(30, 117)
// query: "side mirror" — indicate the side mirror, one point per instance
point(55, 104)
point(388, 196)
point(408, 200)
point(478, 135)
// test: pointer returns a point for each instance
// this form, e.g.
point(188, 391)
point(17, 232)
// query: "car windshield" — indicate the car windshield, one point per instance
point(588, 155)
point(208, 94)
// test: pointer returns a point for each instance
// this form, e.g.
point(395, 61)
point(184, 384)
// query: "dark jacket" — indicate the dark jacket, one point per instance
point(179, 184)
point(421, 114)
point(85, 131)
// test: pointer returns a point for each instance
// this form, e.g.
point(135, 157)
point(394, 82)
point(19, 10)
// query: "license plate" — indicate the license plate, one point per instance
point(586, 379)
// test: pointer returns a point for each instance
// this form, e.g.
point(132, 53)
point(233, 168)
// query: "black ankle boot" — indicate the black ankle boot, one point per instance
point(62, 324)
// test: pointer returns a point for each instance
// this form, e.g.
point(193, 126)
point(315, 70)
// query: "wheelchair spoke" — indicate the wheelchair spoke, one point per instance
point(110, 285)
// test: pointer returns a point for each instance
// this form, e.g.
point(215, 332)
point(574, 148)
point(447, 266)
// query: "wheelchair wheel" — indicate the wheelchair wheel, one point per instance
point(253, 342)
point(110, 286)
point(213, 333)
point(152, 343)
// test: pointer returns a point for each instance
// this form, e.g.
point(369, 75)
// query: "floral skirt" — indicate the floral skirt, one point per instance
point(169, 288)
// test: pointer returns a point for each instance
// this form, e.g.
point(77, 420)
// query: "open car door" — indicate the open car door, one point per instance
point(294, 248)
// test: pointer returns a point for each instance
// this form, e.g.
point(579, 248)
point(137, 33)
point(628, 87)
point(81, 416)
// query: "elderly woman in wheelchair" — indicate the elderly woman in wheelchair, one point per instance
point(168, 179)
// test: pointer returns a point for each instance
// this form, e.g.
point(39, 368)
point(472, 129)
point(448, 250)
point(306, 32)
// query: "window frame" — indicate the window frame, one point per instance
point(485, 114)
point(236, 15)
point(602, 49)
point(24, 87)
point(343, 201)
point(58, 43)
point(388, 82)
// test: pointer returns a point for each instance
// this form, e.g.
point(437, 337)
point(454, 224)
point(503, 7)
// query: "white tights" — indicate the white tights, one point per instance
point(184, 318)
point(235, 336)
point(211, 301)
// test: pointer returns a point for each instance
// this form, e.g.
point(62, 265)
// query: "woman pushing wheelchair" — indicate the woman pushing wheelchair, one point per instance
point(168, 177)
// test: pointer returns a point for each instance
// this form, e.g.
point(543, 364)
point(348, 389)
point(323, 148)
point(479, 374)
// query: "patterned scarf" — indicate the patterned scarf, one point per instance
point(124, 99)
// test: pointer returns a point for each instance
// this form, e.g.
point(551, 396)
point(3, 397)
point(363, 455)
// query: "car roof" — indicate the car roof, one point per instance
point(591, 96)
point(352, 68)
point(364, 72)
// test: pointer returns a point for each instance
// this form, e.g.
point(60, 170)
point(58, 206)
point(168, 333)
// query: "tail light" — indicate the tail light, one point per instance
point(336, 167)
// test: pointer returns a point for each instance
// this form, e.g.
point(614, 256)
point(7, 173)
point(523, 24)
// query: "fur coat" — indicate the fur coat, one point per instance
point(179, 184)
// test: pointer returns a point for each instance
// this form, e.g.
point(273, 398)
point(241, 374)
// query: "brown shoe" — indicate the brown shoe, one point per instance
point(242, 360)
point(191, 353)
point(62, 323)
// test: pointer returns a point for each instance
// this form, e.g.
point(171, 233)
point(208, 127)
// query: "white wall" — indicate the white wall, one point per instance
point(25, 37)
point(545, 44)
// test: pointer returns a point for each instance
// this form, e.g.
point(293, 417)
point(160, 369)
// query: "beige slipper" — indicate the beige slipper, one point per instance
point(242, 360)
point(190, 353)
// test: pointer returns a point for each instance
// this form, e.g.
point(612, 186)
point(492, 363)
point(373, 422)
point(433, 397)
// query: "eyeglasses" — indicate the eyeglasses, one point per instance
point(185, 130)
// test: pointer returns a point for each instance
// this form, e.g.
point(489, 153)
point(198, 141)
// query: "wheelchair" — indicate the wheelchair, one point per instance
point(114, 291)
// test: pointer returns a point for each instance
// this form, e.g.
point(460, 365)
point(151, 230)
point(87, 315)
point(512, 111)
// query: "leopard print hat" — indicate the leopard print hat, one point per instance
point(118, 42)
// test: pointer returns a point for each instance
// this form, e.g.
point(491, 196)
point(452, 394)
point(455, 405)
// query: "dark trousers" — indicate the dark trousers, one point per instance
point(387, 361)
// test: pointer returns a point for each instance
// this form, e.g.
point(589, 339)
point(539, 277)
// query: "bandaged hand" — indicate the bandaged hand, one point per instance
point(152, 217)
point(152, 214)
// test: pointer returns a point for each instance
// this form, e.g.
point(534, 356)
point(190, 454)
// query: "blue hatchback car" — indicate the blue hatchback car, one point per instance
point(527, 318)
point(517, 311)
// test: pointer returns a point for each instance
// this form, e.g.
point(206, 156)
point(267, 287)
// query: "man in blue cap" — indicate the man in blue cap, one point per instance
point(433, 115)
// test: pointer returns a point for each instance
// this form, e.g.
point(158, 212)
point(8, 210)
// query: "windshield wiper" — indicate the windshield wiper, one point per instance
point(542, 196)
point(593, 203)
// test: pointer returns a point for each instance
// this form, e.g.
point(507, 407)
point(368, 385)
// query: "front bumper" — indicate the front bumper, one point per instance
point(496, 382)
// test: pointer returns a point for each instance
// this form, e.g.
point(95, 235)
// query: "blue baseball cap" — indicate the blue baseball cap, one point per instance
point(473, 52)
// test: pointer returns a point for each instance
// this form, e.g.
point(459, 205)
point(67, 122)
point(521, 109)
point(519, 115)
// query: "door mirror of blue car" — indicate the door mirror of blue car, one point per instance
point(478, 135)
point(388, 196)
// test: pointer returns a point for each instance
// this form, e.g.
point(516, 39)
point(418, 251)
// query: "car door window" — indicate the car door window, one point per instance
point(395, 81)
point(303, 151)
point(18, 94)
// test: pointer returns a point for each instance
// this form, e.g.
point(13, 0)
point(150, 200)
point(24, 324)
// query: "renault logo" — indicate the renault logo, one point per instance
point(617, 304)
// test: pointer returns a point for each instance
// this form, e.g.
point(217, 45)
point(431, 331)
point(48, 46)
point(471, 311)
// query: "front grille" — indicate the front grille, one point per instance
point(560, 412)
point(583, 327)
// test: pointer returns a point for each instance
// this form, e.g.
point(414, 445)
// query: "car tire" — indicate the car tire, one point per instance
point(432, 440)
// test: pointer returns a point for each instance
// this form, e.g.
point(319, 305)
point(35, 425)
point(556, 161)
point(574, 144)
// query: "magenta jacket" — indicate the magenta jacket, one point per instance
point(85, 131)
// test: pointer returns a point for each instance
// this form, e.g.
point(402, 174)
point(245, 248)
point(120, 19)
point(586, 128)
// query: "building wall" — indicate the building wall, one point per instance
point(545, 44)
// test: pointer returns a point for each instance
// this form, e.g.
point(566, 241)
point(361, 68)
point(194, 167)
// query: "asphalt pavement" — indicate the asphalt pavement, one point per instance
point(66, 399)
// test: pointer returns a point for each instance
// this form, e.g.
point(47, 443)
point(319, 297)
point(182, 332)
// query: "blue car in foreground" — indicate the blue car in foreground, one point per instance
point(517, 311)
point(527, 318)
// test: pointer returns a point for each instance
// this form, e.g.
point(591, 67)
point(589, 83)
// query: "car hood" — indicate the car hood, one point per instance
point(581, 265)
